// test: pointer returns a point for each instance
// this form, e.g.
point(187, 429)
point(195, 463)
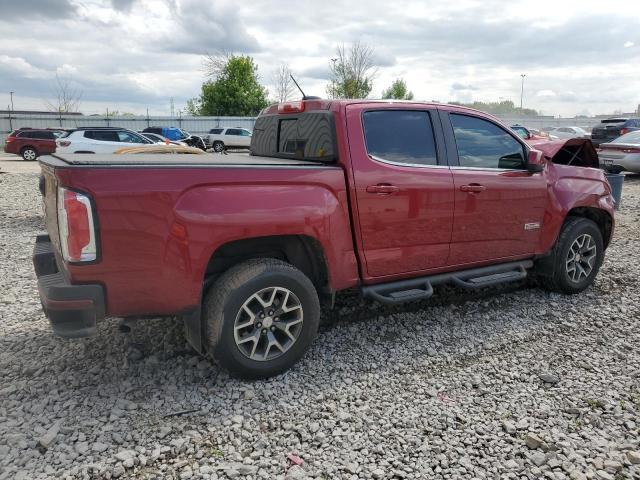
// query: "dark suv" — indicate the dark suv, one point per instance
point(30, 143)
point(611, 128)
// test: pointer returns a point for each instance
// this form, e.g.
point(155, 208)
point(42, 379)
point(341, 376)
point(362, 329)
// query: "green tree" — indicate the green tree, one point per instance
point(398, 91)
point(235, 91)
point(352, 72)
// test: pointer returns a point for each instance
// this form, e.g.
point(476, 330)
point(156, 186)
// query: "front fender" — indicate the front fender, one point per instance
point(570, 188)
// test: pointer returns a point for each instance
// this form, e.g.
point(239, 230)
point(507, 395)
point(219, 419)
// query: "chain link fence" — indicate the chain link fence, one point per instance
point(195, 125)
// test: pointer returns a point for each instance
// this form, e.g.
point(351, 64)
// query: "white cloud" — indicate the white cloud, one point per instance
point(141, 53)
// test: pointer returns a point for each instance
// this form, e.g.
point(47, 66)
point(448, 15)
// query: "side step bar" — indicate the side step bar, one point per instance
point(392, 293)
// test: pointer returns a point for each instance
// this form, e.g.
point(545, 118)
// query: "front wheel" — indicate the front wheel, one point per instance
point(218, 146)
point(260, 317)
point(576, 258)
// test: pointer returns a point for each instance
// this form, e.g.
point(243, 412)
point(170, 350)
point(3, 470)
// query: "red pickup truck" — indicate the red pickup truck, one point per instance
point(390, 198)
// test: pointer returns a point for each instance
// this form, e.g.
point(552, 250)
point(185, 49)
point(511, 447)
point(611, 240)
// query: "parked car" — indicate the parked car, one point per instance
point(98, 140)
point(569, 132)
point(30, 143)
point(622, 154)
point(336, 195)
point(528, 134)
point(155, 138)
point(178, 135)
point(222, 138)
point(611, 128)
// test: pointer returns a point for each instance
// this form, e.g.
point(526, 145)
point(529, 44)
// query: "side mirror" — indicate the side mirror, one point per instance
point(535, 162)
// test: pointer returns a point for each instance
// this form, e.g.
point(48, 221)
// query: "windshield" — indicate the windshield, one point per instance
point(632, 137)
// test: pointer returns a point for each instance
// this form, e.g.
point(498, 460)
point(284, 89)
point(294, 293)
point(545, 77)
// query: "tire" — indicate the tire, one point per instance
point(218, 146)
point(232, 315)
point(571, 268)
point(29, 154)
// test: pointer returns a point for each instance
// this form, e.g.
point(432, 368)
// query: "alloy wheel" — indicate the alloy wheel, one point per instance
point(268, 323)
point(29, 154)
point(581, 258)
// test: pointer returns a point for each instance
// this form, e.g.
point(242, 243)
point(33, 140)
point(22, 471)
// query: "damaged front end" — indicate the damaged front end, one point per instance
point(577, 152)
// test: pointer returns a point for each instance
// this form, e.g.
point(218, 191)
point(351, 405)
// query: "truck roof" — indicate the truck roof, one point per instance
point(170, 159)
point(333, 104)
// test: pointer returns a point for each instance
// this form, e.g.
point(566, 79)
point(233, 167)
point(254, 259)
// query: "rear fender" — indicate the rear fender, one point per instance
point(209, 216)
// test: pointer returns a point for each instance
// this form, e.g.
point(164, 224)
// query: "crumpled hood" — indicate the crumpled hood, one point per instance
point(577, 152)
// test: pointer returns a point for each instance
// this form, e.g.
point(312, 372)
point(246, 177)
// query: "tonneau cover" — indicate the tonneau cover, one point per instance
point(178, 160)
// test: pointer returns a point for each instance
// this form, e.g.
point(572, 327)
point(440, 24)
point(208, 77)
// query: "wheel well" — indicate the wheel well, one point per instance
point(599, 217)
point(28, 146)
point(303, 252)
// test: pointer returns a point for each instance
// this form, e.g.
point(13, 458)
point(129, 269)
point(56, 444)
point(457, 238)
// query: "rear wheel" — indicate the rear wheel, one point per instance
point(260, 318)
point(576, 258)
point(29, 153)
point(218, 146)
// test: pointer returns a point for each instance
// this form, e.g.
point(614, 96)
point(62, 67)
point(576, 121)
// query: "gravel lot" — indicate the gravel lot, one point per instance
point(512, 383)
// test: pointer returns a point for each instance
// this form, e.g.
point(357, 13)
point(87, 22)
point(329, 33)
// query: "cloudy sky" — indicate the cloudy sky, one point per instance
point(579, 57)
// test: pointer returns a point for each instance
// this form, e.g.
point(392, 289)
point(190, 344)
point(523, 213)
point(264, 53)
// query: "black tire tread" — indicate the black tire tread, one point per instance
point(229, 281)
point(550, 279)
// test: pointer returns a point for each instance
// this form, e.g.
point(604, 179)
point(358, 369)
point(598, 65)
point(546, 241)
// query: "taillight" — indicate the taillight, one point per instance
point(291, 107)
point(75, 223)
point(9, 139)
point(624, 131)
point(63, 143)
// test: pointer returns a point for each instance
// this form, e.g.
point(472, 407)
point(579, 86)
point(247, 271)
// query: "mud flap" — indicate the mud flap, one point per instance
point(193, 330)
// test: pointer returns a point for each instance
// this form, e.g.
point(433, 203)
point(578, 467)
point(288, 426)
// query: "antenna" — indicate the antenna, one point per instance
point(304, 96)
point(294, 81)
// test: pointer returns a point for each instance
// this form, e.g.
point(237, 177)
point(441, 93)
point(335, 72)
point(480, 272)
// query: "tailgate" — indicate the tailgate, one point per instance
point(49, 188)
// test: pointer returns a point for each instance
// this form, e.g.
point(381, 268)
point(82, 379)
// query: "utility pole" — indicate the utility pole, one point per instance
point(522, 90)
point(11, 112)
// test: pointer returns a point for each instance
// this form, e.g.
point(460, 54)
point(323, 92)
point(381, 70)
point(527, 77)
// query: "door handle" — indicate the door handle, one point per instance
point(383, 189)
point(472, 188)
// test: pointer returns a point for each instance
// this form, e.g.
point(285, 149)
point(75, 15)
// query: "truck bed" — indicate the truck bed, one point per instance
point(171, 160)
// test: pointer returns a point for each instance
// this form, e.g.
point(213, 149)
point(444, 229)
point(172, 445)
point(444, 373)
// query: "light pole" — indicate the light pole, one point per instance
point(522, 90)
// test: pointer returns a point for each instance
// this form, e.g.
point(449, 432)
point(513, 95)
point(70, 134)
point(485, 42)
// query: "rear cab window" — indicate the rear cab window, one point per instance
point(400, 136)
point(308, 135)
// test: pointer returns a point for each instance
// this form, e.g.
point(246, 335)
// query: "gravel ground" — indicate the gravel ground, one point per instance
point(511, 383)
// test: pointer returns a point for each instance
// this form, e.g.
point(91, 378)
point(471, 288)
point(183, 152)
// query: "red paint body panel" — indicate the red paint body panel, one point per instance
point(148, 266)
point(159, 227)
point(405, 231)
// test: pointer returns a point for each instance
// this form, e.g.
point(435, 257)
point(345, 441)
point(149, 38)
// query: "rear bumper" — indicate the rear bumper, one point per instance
point(73, 310)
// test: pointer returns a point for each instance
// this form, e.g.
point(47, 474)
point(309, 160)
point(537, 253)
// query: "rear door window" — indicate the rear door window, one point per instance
point(400, 136)
point(233, 131)
point(102, 135)
point(128, 137)
point(483, 144)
